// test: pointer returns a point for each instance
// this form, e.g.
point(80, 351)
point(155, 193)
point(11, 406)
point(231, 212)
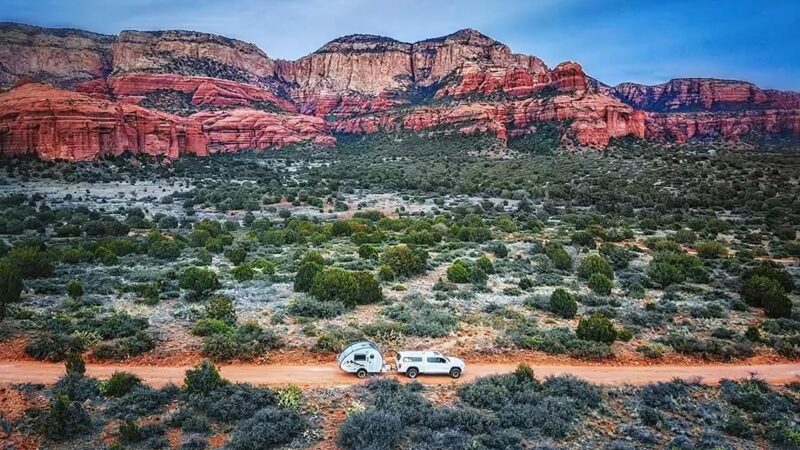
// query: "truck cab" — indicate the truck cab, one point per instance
point(430, 362)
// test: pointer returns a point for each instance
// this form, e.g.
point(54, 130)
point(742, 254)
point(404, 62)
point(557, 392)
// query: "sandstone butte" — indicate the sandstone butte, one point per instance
point(173, 92)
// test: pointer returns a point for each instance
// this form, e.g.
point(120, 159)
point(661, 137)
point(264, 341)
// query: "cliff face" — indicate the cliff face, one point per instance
point(685, 109)
point(62, 57)
point(171, 92)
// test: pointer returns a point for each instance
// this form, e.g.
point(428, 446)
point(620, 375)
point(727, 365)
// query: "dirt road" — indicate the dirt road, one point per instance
point(326, 375)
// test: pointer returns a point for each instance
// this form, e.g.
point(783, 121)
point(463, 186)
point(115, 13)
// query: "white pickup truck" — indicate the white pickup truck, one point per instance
point(415, 363)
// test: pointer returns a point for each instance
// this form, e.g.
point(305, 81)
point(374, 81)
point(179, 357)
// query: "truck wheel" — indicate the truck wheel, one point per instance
point(455, 372)
point(412, 372)
point(361, 373)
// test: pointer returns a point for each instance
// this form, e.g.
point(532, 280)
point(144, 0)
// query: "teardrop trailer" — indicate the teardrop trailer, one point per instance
point(365, 358)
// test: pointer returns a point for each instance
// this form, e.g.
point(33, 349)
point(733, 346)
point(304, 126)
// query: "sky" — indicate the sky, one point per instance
point(615, 40)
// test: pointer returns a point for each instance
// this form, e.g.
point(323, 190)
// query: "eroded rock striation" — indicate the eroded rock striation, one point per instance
point(196, 92)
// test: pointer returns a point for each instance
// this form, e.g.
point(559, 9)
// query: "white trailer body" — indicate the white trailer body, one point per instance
point(362, 358)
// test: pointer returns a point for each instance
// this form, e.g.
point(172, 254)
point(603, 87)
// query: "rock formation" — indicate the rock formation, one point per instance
point(170, 92)
point(51, 123)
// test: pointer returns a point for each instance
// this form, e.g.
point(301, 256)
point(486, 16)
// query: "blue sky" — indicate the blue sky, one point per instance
point(615, 40)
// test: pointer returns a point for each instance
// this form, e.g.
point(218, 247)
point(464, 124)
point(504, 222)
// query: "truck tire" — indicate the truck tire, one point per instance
point(412, 372)
point(361, 373)
point(455, 372)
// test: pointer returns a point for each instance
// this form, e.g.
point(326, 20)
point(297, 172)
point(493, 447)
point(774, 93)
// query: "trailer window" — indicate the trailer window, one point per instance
point(359, 357)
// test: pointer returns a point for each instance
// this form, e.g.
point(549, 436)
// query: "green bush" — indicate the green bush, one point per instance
point(65, 419)
point(31, 261)
point(458, 272)
point(243, 273)
point(313, 307)
point(267, 428)
point(203, 379)
point(368, 290)
point(596, 328)
point(485, 264)
point(10, 286)
point(595, 263)
point(221, 308)
point(760, 291)
point(774, 272)
point(48, 346)
point(311, 265)
point(711, 250)
point(200, 282)
point(386, 273)
point(207, 327)
point(74, 289)
point(559, 257)
point(367, 251)
point(120, 384)
point(563, 303)
point(600, 284)
point(247, 342)
point(404, 260)
point(236, 255)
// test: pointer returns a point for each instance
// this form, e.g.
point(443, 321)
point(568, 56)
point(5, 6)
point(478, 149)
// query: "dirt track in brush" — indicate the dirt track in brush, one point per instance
point(327, 375)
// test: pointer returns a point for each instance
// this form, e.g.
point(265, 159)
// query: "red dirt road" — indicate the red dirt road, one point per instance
point(327, 375)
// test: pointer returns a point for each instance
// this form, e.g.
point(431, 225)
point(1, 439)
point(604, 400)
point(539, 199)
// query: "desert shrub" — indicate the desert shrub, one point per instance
point(76, 387)
point(458, 272)
point(312, 307)
point(421, 318)
point(311, 264)
point(10, 286)
point(142, 401)
point(667, 396)
point(618, 257)
point(710, 348)
point(124, 347)
point(200, 282)
point(600, 284)
point(165, 249)
point(773, 272)
point(559, 257)
point(220, 307)
point(203, 379)
point(404, 260)
point(368, 290)
point(233, 402)
point(596, 328)
point(498, 248)
point(485, 264)
point(589, 350)
point(48, 346)
point(583, 239)
point(247, 341)
point(595, 263)
point(120, 384)
point(32, 261)
point(652, 350)
point(563, 303)
point(370, 430)
point(711, 250)
point(668, 268)
point(74, 289)
point(367, 251)
point(65, 419)
point(267, 428)
point(386, 273)
point(243, 273)
point(236, 255)
point(75, 365)
point(207, 327)
point(765, 292)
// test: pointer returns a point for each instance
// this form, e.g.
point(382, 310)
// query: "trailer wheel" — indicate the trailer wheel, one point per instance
point(412, 372)
point(455, 372)
point(361, 373)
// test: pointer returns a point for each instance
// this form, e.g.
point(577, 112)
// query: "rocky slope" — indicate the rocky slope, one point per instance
point(228, 95)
